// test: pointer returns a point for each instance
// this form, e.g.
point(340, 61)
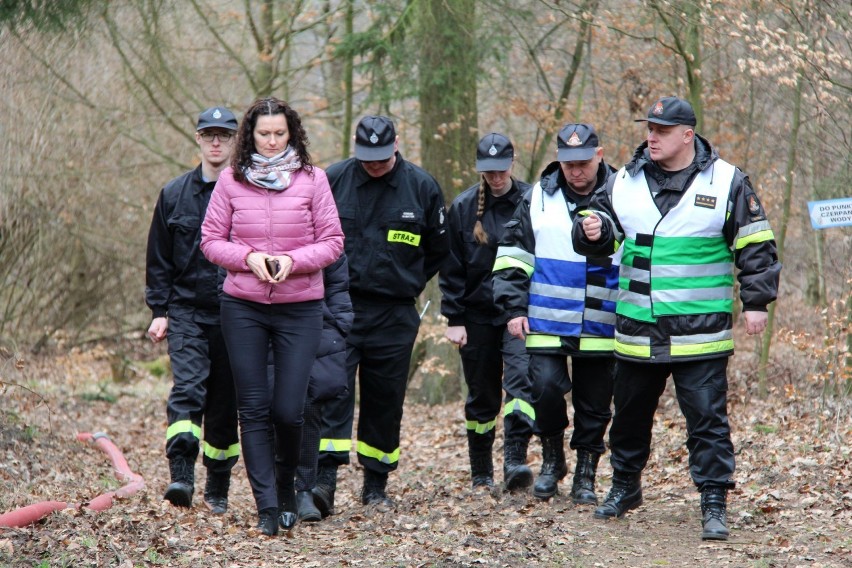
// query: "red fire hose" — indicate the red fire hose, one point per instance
point(133, 483)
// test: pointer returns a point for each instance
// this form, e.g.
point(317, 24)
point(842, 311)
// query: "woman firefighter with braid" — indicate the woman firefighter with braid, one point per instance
point(492, 359)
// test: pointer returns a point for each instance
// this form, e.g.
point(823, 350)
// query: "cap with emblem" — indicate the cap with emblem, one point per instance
point(576, 142)
point(217, 117)
point(374, 139)
point(669, 111)
point(494, 153)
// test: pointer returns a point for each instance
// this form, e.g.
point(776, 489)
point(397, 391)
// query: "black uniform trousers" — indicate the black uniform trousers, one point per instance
point(495, 361)
point(271, 415)
point(202, 394)
point(701, 388)
point(378, 352)
point(591, 397)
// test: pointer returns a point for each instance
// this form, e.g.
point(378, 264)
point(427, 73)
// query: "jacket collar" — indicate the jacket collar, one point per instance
point(705, 155)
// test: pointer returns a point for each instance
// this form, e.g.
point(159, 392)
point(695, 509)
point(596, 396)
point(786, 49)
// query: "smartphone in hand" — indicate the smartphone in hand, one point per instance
point(273, 266)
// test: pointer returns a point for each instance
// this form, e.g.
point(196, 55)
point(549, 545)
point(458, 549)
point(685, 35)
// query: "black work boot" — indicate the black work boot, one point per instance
point(481, 465)
point(216, 491)
point(714, 511)
point(583, 489)
point(308, 512)
point(179, 492)
point(373, 492)
point(553, 466)
point(267, 521)
point(516, 473)
point(324, 489)
point(625, 494)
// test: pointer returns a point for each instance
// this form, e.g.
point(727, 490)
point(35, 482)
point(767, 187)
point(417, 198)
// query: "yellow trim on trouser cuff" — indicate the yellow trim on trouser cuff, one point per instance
point(479, 427)
point(331, 445)
point(377, 454)
point(521, 406)
point(183, 427)
point(231, 451)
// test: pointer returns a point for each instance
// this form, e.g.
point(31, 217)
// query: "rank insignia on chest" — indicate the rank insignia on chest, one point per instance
point(706, 201)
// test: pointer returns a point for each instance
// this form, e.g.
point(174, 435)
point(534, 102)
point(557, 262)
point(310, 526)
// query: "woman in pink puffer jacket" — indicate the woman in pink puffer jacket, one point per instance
point(273, 225)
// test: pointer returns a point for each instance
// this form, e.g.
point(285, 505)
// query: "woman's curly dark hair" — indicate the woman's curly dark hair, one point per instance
point(245, 134)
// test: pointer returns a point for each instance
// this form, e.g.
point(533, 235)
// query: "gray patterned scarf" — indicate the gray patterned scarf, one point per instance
point(273, 173)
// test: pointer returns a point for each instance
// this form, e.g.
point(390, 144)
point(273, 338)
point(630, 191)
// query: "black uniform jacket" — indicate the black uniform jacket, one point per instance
point(512, 286)
point(177, 275)
point(465, 277)
point(395, 228)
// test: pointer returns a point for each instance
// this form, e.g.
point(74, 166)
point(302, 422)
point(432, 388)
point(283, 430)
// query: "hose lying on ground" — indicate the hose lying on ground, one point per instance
point(133, 483)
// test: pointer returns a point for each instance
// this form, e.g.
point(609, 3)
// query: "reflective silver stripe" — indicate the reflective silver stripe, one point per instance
point(702, 337)
point(693, 294)
point(518, 253)
point(686, 270)
point(602, 293)
point(634, 298)
point(753, 228)
point(550, 314)
point(637, 274)
point(600, 316)
point(632, 339)
point(560, 292)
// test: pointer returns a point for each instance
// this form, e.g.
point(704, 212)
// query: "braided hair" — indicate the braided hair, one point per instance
point(478, 230)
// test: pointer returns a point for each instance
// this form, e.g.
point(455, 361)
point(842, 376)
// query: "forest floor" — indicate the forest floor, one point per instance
point(792, 505)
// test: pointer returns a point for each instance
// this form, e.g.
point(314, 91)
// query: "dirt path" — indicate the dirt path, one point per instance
point(792, 506)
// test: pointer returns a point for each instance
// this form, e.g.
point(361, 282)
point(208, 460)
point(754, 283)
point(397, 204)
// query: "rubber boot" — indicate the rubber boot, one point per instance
point(481, 465)
point(216, 491)
point(373, 492)
point(625, 494)
point(583, 488)
point(714, 525)
point(179, 492)
point(553, 466)
point(516, 473)
point(324, 489)
point(308, 512)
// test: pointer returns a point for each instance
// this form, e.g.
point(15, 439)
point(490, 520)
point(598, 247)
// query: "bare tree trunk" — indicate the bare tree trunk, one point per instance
point(789, 172)
point(448, 137)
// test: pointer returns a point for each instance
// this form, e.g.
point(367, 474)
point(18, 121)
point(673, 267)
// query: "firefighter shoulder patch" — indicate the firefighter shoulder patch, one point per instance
point(707, 201)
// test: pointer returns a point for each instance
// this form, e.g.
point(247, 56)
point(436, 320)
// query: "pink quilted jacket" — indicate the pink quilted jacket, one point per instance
point(300, 221)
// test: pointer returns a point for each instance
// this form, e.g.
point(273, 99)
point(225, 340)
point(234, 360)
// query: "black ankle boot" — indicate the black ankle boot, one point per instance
point(267, 522)
point(516, 473)
point(324, 490)
point(625, 494)
point(286, 487)
point(308, 512)
point(553, 466)
point(373, 492)
point(180, 490)
point(714, 523)
point(479, 452)
point(583, 488)
point(216, 491)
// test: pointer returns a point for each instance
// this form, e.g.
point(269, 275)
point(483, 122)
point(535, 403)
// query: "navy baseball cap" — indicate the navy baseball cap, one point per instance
point(576, 143)
point(374, 139)
point(217, 117)
point(670, 111)
point(494, 153)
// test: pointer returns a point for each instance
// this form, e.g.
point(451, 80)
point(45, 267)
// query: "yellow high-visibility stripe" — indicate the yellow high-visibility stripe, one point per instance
point(543, 340)
point(596, 344)
point(479, 427)
point(521, 406)
point(333, 445)
point(377, 454)
point(183, 427)
point(504, 262)
point(214, 453)
point(759, 237)
point(643, 351)
point(702, 348)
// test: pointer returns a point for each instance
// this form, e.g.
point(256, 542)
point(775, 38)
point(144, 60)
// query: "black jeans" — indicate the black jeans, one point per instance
point(293, 331)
